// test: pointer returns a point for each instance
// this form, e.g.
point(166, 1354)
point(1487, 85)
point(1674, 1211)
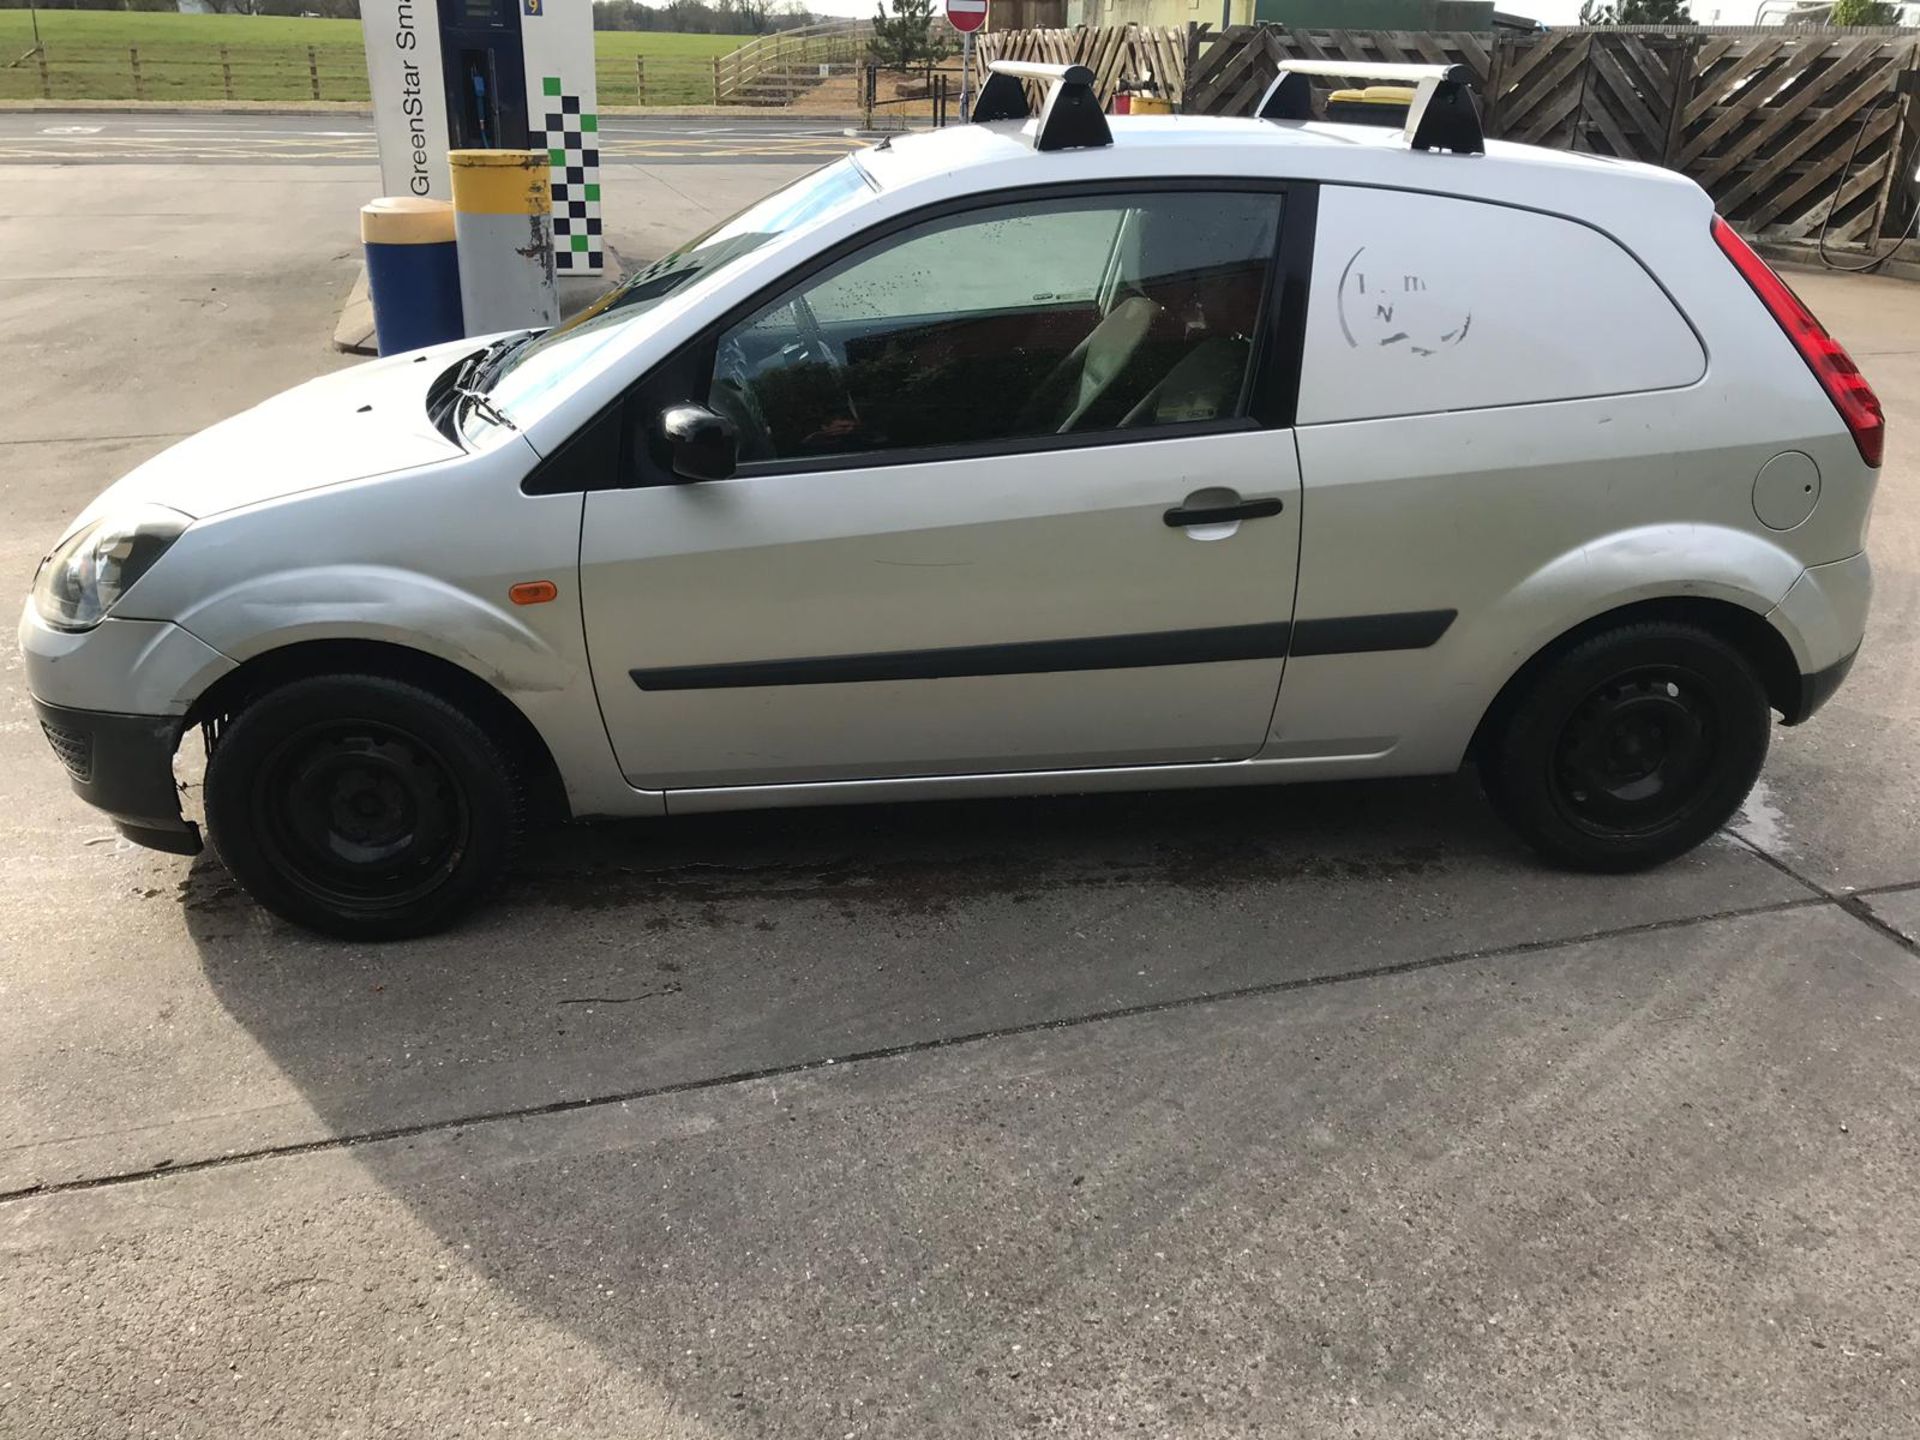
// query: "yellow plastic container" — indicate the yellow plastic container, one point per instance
point(1375, 105)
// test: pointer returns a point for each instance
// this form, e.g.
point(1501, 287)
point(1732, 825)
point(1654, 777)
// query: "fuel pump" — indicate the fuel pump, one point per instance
point(490, 75)
point(484, 65)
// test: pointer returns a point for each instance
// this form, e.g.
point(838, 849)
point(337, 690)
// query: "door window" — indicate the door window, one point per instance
point(1071, 316)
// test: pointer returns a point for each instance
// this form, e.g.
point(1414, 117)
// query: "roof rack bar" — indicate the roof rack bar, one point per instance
point(1070, 117)
point(1442, 115)
point(1377, 70)
point(1034, 70)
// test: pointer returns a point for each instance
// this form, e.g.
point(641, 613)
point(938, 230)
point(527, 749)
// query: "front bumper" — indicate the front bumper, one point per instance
point(124, 667)
point(113, 703)
point(123, 764)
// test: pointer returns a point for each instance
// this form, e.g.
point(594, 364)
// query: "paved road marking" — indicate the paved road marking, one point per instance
point(66, 144)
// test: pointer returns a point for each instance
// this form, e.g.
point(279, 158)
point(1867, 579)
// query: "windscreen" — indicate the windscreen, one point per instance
point(537, 366)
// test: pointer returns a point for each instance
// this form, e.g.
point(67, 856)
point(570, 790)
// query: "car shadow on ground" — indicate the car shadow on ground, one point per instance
point(775, 1279)
point(937, 853)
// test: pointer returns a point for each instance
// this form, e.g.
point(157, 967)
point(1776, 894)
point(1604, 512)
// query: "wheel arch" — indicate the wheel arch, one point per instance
point(1748, 631)
point(304, 659)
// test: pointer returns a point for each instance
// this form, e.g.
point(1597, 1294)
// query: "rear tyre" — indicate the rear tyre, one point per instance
point(1631, 748)
point(362, 806)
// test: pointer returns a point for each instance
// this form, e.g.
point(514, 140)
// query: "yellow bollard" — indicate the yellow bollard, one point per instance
point(503, 218)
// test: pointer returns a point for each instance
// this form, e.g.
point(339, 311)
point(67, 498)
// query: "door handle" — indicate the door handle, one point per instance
point(1181, 516)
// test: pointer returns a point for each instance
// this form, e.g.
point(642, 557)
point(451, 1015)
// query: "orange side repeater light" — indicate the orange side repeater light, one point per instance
point(533, 592)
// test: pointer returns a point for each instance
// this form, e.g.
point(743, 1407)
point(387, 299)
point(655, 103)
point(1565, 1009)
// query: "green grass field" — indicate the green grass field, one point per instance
point(89, 57)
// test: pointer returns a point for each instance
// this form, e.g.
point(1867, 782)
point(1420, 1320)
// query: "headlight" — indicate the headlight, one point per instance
point(91, 569)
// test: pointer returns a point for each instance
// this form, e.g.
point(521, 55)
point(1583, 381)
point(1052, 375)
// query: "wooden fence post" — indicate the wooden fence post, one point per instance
point(1497, 62)
point(716, 79)
point(1196, 32)
point(1883, 201)
point(1682, 93)
point(1905, 138)
point(133, 58)
point(639, 79)
point(313, 72)
point(46, 80)
point(226, 72)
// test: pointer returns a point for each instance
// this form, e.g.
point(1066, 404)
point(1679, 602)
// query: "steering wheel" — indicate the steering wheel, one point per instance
point(732, 397)
point(737, 381)
point(814, 347)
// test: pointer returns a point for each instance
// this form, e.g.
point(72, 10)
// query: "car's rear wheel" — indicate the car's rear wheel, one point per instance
point(1631, 748)
point(362, 806)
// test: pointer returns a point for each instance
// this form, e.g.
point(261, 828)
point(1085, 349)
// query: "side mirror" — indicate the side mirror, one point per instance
point(701, 444)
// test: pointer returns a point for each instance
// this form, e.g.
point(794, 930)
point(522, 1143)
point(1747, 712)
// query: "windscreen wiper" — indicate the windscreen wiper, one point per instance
point(477, 399)
point(493, 357)
point(477, 368)
point(469, 379)
point(469, 368)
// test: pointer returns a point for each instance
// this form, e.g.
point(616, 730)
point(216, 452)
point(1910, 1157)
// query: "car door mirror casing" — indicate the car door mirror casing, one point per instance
point(701, 444)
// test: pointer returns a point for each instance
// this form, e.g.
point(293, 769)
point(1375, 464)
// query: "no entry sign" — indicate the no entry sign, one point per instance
point(966, 16)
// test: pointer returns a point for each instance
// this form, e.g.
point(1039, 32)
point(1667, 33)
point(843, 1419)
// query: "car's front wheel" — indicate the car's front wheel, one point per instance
point(1631, 748)
point(362, 806)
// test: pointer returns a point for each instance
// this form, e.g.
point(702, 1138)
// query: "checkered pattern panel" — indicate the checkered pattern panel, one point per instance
point(572, 141)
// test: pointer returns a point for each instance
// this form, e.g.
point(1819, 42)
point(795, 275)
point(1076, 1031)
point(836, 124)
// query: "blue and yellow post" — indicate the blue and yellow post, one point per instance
point(413, 275)
point(503, 216)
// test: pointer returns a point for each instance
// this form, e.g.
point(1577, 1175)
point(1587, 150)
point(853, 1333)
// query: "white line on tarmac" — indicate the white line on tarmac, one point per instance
point(238, 132)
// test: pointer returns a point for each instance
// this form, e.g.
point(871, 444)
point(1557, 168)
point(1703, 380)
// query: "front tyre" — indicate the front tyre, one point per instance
point(361, 806)
point(1631, 748)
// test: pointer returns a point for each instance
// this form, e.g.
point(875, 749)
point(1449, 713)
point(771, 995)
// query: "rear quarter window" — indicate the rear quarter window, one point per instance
point(1425, 303)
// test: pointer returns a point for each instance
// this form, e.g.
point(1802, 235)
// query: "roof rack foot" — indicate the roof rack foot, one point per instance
point(1443, 116)
point(1070, 117)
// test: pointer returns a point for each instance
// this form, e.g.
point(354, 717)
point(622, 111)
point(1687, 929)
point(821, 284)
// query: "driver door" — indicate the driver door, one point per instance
point(1011, 496)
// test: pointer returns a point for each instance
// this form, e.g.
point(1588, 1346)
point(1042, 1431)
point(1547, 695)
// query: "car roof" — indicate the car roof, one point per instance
point(965, 158)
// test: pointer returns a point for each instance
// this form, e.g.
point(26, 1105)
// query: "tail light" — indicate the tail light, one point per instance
point(1859, 407)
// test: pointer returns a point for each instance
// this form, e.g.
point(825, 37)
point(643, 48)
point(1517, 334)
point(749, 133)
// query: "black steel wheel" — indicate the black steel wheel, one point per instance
point(362, 806)
point(1631, 748)
point(362, 816)
point(1636, 752)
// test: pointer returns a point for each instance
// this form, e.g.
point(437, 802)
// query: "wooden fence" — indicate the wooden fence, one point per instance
point(293, 72)
point(1113, 53)
point(1786, 129)
point(1781, 128)
point(776, 68)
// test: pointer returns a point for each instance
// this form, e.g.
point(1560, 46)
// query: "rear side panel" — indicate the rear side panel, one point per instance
point(1429, 303)
point(1571, 435)
point(1759, 393)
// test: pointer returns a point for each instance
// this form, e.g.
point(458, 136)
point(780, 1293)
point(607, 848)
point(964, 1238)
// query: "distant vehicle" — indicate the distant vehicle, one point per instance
point(1030, 455)
point(1807, 12)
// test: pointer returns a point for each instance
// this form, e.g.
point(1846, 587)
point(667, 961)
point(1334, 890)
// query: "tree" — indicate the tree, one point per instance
point(1862, 12)
point(688, 15)
point(908, 40)
point(1635, 12)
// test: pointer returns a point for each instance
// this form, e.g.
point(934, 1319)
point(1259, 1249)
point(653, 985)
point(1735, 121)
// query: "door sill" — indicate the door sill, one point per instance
point(1027, 782)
